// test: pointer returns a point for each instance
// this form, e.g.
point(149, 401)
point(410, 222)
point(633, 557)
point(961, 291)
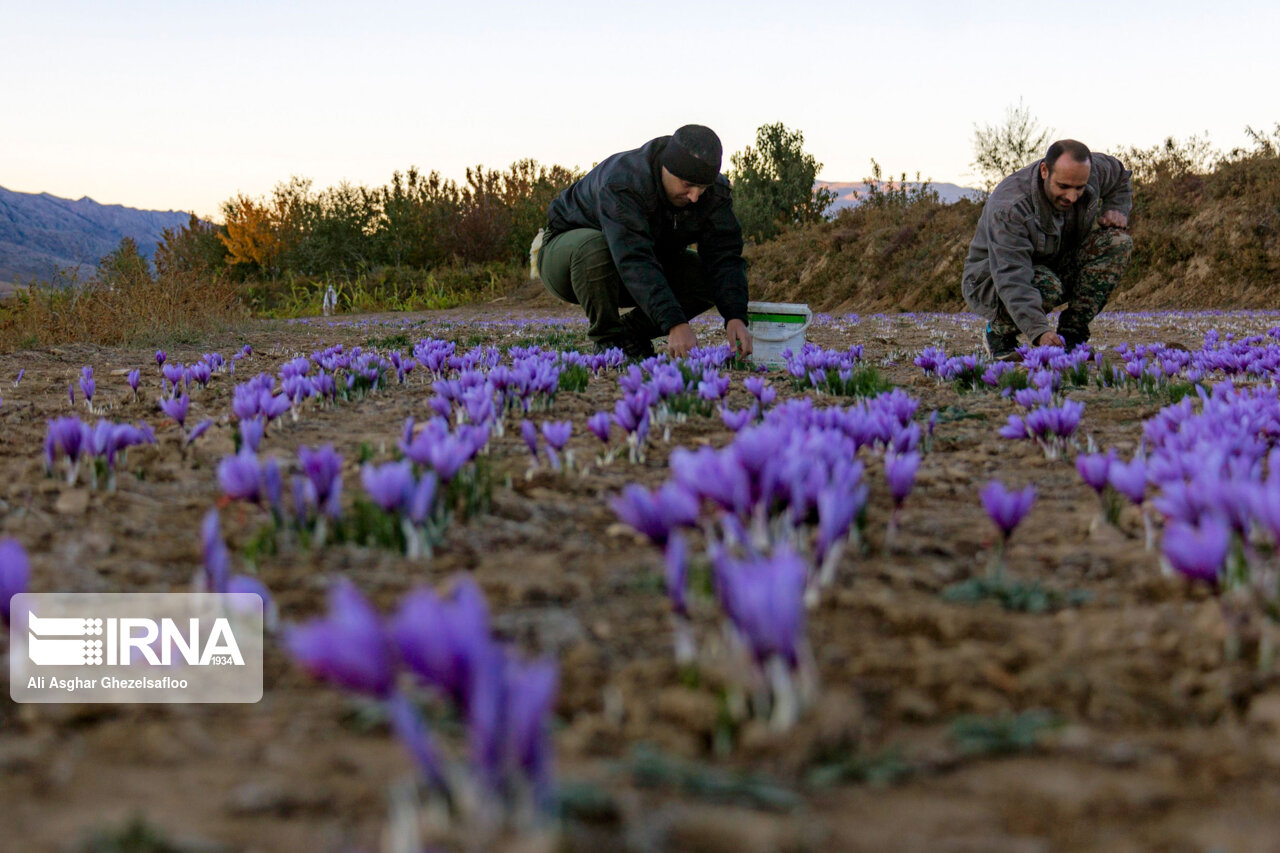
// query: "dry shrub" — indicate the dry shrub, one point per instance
point(1202, 240)
point(136, 309)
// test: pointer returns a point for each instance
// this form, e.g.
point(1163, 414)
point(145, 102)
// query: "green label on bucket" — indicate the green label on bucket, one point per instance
point(776, 318)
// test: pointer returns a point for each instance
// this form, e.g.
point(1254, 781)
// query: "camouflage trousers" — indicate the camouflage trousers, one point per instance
point(1082, 279)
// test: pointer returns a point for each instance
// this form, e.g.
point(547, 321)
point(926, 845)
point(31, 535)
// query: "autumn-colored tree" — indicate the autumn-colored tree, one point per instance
point(253, 233)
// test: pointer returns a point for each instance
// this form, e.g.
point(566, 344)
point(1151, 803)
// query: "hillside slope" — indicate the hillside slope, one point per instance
point(1201, 241)
point(41, 234)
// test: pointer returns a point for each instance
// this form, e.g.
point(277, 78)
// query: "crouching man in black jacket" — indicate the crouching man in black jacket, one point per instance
point(619, 238)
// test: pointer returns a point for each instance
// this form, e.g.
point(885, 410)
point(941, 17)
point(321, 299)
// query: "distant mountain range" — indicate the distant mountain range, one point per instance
point(41, 234)
point(852, 193)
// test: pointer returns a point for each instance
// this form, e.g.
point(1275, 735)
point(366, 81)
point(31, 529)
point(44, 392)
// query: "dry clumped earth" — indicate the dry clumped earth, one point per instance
point(1119, 722)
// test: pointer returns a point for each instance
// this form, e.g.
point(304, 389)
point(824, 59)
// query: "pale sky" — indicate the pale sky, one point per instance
point(181, 105)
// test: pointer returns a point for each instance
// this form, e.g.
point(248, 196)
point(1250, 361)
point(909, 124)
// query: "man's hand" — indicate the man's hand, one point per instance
point(1051, 339)
point(680, 340)
point(740, 343)
point(1113, 219)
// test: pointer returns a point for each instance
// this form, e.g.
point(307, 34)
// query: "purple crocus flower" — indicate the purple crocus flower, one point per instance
point(241, 476)
point(15, 572)
point(251, 432)
point(656, 514)
point(676, 558)
point(713, 385)
point(273, 486)
point(442, 639)
point(390, 485)
point(410, 729)
point(347, 647)
point(1007, 508)
point(529, 698)
point(1095, 468)
point(557, 433)
point(199, 429)
point(217, 561)
point(449, 453)
point(900, 471)
point(1129, 478)
point(600, 425)
point(421, 501)
point(133, 377)
point(838, 506)
point(175, 373)
point(1198, 551)
point(1014, 429)
point(757, 387)
point(18, 378)
point(529, 433)
point(68, 435)
point(764, 599)
point(323, 467)
point(160, 357)
point(87, 384)
point(737, 419)
point(176, 408)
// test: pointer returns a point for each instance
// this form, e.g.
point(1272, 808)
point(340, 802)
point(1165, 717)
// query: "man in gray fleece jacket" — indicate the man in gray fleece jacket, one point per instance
point(1050, 233)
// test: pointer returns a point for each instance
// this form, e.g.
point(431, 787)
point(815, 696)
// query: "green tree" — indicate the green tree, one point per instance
point(124, 265)
point(1002, 149)
point(773, 184)
point(193, 248)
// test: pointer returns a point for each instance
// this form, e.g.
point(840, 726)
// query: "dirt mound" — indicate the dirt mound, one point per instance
point(1200, 242)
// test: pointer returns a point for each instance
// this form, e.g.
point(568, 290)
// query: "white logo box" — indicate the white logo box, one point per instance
point(135, 647)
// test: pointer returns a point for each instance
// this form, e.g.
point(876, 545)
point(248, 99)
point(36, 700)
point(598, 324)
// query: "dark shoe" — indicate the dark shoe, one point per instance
point(639, 326)
point(1071, 340)
point(1000, 347)
point(633, 348)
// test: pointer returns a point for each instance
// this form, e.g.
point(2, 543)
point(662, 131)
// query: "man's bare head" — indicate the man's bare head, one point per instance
point(1065, 172)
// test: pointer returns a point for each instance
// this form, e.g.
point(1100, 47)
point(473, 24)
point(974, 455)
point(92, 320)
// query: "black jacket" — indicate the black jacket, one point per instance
point(623, 197)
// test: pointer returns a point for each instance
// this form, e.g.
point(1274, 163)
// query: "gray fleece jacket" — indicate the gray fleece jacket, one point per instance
point(1019, 229)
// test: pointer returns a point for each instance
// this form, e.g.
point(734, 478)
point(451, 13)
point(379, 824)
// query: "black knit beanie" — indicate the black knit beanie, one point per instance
point(693, 154)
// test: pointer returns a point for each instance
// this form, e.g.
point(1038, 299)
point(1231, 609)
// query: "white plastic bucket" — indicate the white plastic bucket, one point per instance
point(776, 326)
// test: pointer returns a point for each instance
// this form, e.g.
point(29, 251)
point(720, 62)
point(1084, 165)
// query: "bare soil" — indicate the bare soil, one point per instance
point(1161, 739)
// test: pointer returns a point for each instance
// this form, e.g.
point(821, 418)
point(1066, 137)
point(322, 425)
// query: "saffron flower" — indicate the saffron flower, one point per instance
point(199, 430)
point(442, 640)
point(737, 419)
point(1006, 508)
point(15, 572)
point(160, 357)
point(900, 471)
point(176, 408)
point(556, 434)
point(1198, 551)
point(132, 378)
point(600, 425)
point(348, 647)
point(656, 514)
point(323, 467)
point(1095, 469)
point(1129, 479)
point(251, 432)
point(390, 485)
point(529, 433)
point(241, 476)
